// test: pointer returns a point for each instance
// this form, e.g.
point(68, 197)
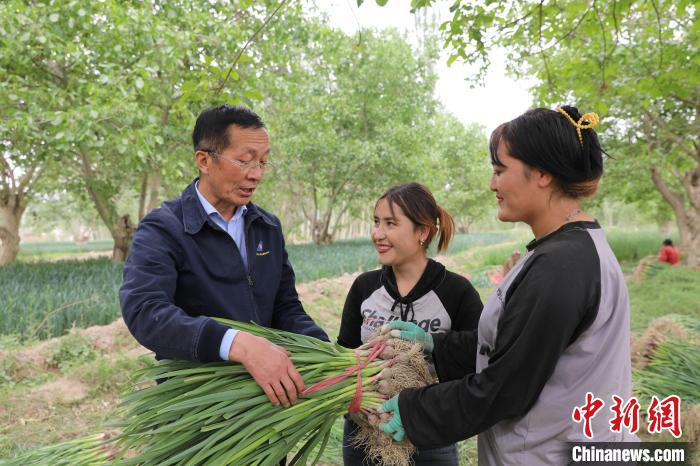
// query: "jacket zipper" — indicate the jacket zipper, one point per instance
point(250, 256)
point(250, 269)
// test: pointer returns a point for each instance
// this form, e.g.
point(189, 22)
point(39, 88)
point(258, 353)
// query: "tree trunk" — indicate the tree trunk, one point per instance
point(687, 215)
point(320, 234)
point(691, 246)
point(154, 182)
point(120, 227)
point(10, 217)
point(123, 233)
point(691, 183)
point(142, 197)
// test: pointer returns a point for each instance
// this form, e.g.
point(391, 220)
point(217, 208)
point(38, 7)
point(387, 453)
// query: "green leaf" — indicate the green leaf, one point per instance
point(253, 94)
point(188, 87)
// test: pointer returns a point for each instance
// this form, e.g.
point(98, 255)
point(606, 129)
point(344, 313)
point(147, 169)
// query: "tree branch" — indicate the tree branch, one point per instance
point(680, 141)
point(245, 46)
point(658, 22)
point(562, 38)
point(142, 196)
point(25, 180)
point(673, 198)
point(339, 216)
point(7, 172)
point(107, 215)
point(605, 43)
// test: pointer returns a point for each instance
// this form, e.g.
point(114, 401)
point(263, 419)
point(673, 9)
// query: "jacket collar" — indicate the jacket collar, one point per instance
point(194, 216)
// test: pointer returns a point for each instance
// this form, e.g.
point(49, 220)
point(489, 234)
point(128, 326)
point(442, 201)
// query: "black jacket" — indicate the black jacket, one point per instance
point(183, 267)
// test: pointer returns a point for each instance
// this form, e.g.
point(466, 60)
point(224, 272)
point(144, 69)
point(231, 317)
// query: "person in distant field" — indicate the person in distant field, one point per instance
point(510, 262)
point(668, 253)
point(497, 275)
point(213, 253)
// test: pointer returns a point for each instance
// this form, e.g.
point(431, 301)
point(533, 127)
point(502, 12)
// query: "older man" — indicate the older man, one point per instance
point(213, 253)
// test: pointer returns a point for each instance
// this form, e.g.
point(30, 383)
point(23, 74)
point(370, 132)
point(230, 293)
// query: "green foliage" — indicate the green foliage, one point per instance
point(471, 241)
point(8, 369)
point(72, 350)
point(337, 145)
point(588, 53)
point(78, 452)
point(653, 268)
point(673, 290)
point(674, 370)
point(109, 376)
point(311, 263)
point(635, 245)
point(41, 251)
point(42, 300)
point(108, 91)
point(226, 417)
point(455, 166)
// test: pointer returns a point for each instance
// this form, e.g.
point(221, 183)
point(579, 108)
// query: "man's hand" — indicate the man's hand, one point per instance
point(270, 366)
point(410, 332)
point(394, 427)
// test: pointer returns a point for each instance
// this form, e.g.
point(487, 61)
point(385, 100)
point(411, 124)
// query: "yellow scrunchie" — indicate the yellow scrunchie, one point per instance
point(588, 121)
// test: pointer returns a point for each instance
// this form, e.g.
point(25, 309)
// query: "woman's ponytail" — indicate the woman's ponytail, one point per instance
point(446, 226)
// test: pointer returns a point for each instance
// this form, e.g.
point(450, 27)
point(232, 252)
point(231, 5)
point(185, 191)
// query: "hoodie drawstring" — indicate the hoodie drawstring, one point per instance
point(403, 311)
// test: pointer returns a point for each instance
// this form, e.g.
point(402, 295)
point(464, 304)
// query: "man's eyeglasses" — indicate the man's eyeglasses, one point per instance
point(243, 165)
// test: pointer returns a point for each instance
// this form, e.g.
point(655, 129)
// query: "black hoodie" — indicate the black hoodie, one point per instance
point(440, 301)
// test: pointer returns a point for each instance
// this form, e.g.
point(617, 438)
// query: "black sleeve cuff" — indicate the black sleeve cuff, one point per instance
point(210, 341)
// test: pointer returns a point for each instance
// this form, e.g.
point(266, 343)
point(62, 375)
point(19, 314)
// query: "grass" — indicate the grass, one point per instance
point(45, 299)
point(673, 290)
point(49, 250)
point(26, 423)
point(635, 245)
point(30, 420)
point(42, 300)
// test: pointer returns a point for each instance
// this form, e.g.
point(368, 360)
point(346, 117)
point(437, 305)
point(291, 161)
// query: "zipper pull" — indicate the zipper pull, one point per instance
point(250, 280)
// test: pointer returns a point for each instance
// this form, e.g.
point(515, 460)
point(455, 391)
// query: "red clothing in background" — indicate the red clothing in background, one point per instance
point(668, 254)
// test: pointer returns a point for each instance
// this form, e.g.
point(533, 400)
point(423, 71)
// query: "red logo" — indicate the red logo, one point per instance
point(625, 416)
point(665, 415)
point(661, 415)
point(587, 412)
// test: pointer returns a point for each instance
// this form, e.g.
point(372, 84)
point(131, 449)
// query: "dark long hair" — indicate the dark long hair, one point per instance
point(547, 140)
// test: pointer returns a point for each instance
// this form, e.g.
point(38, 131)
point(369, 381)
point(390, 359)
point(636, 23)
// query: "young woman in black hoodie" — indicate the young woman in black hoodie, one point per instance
point(409, 287)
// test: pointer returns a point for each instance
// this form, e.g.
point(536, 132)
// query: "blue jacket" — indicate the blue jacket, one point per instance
point(182, 267)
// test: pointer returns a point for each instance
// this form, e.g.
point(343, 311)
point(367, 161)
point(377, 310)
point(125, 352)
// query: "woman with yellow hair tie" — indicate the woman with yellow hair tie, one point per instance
point(556, 328)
